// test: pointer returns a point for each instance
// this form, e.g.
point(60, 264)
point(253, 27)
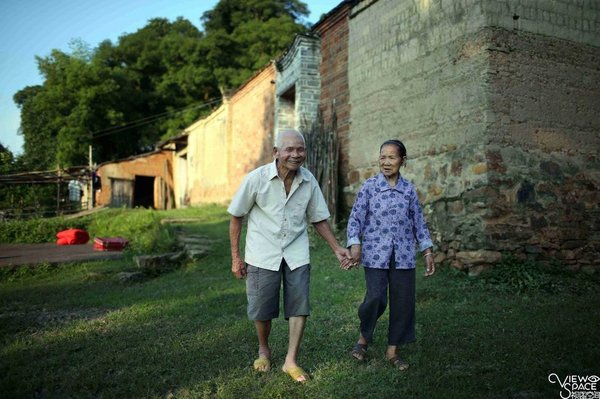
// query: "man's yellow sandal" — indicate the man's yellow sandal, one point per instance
point(262, 364)
point(295, 373)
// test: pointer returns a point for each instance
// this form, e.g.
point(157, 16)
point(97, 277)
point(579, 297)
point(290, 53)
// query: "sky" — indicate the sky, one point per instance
point(35, 27)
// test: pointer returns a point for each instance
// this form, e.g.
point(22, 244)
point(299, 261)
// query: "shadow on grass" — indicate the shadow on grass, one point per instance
point(147, 348)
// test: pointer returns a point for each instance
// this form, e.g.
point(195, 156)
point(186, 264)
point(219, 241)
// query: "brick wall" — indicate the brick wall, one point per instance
point(334, 78)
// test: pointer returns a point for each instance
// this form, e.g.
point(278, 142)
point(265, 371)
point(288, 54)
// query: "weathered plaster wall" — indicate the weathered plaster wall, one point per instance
point(495, 103)
point(543, 150)
point(208, 158)
point(230, 142)
point(250, 141)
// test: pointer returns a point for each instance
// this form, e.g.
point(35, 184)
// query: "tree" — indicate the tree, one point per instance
point(243, 35)
point(122, 98)
point(7, 160)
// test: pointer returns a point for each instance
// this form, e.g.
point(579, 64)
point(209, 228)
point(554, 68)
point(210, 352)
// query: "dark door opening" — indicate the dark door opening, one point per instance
point(143, 191)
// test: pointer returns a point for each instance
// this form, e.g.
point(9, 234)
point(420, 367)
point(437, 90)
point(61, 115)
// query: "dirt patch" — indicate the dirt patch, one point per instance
point(32, 254)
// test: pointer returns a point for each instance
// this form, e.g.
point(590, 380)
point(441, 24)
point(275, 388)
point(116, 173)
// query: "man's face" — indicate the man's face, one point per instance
point(292, 153)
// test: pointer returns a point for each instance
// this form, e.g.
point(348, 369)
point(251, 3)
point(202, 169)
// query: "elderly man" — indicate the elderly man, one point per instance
point(280, 199)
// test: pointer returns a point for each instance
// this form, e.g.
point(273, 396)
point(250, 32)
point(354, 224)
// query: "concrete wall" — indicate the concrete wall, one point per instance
point(492, 99)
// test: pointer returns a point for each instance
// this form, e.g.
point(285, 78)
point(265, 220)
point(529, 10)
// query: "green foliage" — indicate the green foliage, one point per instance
point(75, 331)
point(524, 276)
point(7, 160)
point(242, 36)
point(141, 227)
point(35, 230)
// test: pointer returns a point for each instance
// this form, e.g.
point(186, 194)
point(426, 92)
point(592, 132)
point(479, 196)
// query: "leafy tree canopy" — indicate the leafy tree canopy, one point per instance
point(122, 98)
point(243, 35)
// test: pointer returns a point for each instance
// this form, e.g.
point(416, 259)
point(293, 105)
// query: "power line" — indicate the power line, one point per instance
point(149, 119)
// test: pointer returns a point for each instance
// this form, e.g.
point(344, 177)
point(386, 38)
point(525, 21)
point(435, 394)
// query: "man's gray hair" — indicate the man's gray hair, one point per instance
point(289, 132)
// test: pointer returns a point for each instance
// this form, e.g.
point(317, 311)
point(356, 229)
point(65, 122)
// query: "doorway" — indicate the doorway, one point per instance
point(143, 191)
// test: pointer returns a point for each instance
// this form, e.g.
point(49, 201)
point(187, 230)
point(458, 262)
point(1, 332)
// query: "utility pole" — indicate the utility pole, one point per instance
point(91, 181)
point(59, 173)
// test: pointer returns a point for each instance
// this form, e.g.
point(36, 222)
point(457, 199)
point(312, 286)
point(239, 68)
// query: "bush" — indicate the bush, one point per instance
point(141, 227)
point(33, 231)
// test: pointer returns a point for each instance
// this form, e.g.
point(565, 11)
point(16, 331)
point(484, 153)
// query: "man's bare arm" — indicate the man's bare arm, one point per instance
point(238, 267)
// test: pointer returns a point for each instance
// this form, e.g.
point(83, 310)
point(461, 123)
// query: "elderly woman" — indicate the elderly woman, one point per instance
point(384, 228)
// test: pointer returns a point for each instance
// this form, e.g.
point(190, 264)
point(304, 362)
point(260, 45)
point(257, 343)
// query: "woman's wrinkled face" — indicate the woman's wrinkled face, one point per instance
point(390, 160)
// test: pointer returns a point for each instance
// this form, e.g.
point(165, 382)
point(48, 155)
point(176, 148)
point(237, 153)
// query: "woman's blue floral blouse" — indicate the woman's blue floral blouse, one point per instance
point(388, 218)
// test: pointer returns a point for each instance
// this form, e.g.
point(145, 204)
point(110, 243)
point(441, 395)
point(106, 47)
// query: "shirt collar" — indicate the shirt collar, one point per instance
point(303, 172)
point(383, 185)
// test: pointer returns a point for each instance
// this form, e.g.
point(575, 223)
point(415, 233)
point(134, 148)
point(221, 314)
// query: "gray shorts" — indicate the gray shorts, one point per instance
point(262, 290)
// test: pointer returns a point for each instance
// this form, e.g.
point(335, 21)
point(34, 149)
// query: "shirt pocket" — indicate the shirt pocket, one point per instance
point(264, 200)
point(298, 211)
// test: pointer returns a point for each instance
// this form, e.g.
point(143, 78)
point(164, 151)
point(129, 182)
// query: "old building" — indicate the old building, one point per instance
point(144, 180)
point(497, 103)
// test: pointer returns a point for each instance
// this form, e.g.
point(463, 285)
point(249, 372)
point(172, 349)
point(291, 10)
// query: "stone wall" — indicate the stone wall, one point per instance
point(470, 102)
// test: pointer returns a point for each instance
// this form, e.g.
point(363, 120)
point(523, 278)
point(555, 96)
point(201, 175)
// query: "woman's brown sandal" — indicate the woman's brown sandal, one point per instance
point(359, 351)
point(398, 363)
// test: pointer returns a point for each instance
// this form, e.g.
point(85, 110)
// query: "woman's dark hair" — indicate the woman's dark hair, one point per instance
point(398, 144)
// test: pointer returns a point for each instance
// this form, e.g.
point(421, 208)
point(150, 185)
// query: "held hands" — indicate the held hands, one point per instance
point(351, 257)
point(429, 263)
point(355, 251)
point(238, 268)
point(345, 258)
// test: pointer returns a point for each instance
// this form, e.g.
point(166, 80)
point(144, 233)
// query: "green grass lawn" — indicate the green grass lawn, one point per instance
point(75, 331)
